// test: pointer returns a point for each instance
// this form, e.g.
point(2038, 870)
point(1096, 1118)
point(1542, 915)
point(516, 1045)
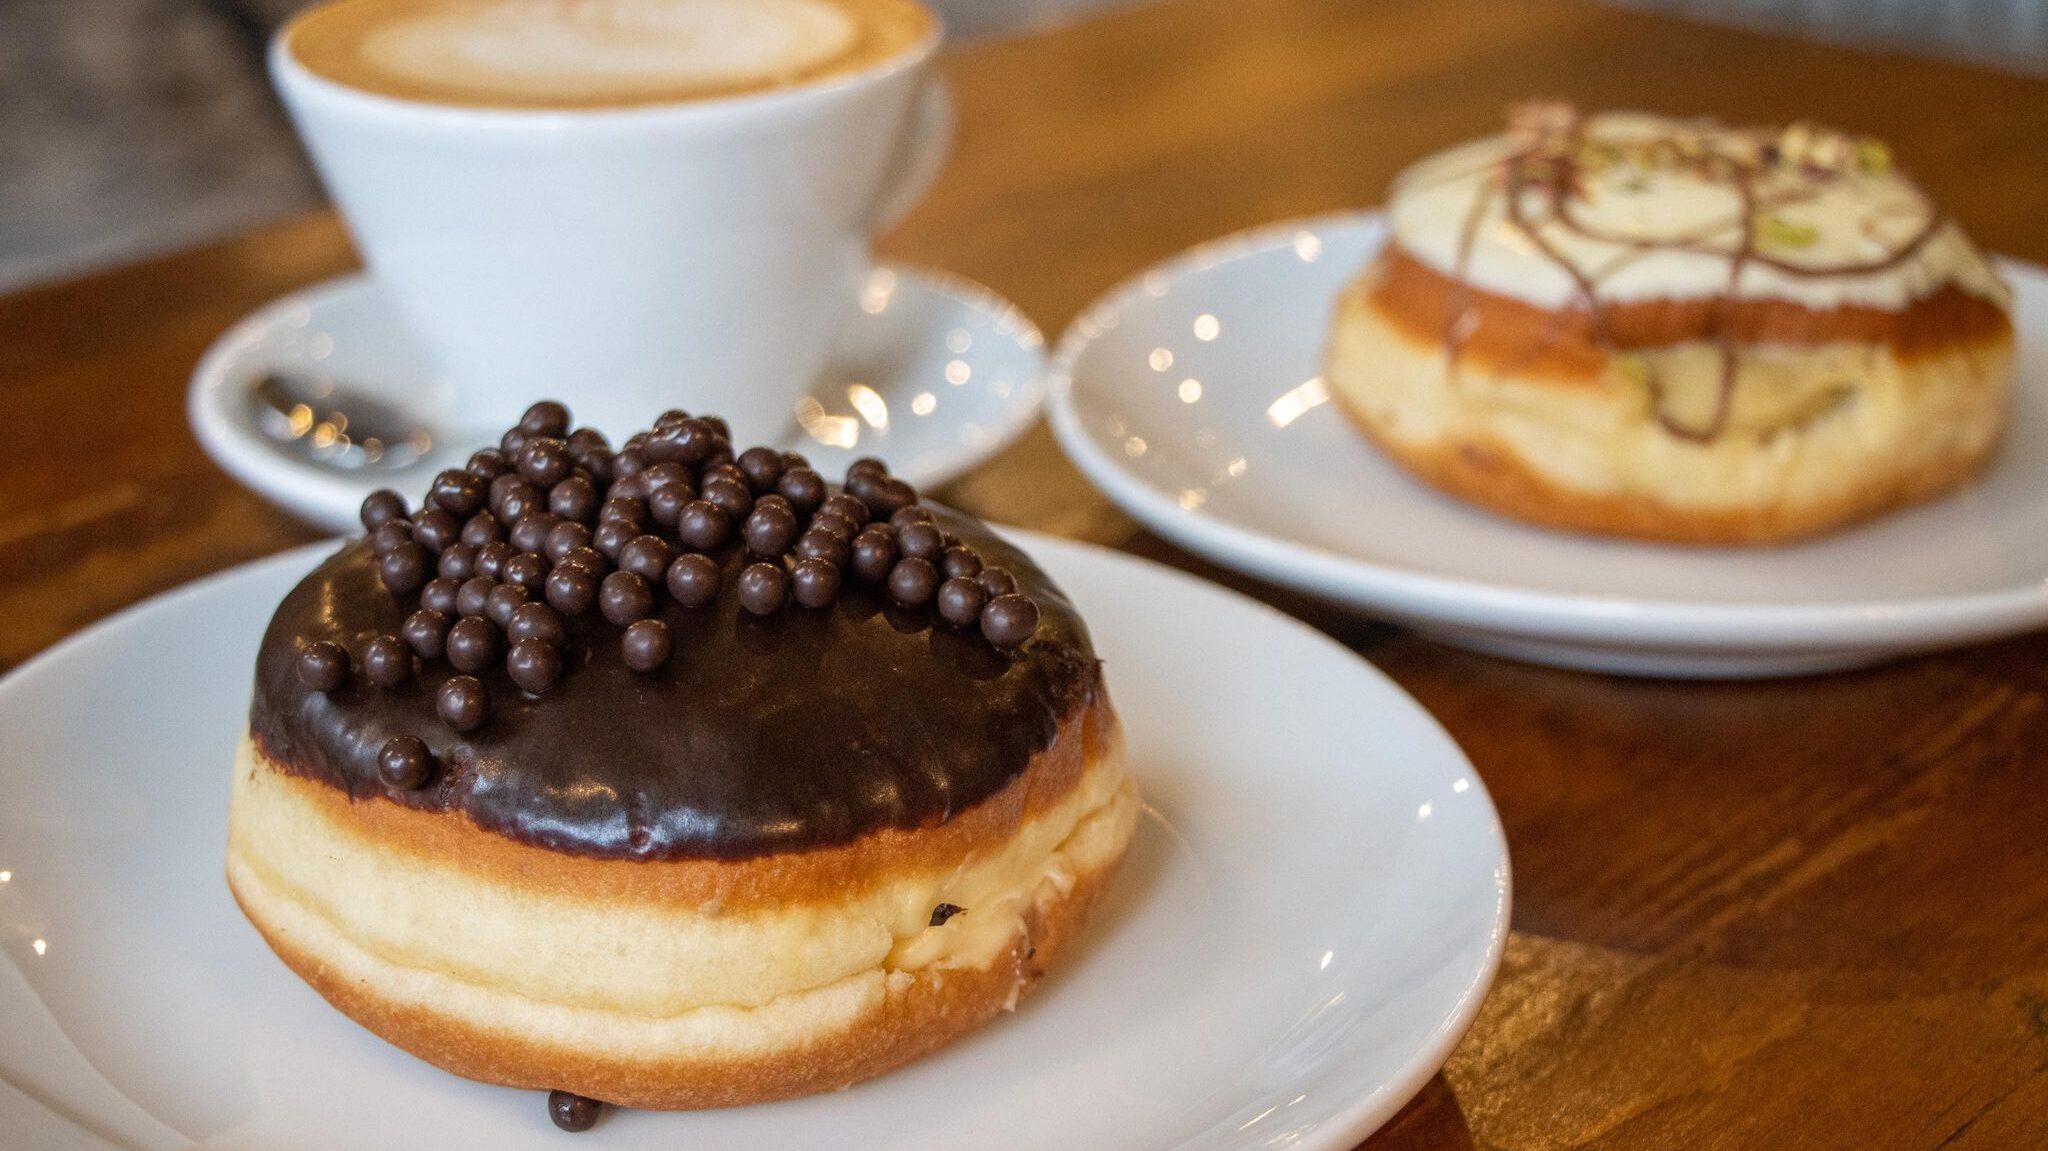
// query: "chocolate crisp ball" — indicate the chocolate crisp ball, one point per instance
point(480, 529)
point(571, 590)
point(623, 598)
point(1009, 620)
point(537, 621)
point(381, 507)
point(763, 587)
point(564, 538)
point(535, 665)
point(526, 569)
point(404, 571)
point(436, 528)
point(874, 553)
point(490, 558)
point(693, 580)
point(441, 594)
point(665, 504)
point(646, 646)
point(472, 644)
point(462, 703)
point(842, 504)
point(457, 563)
point(503, 601)
point(461, 493)
point(404, 762)
point(574, 499)
point(546, 418)
point(426, 633)
point(387, 661)
point(921, 540)
point(646, 556)
point(803, 488)
point(730, 496)
point(770, 529)
point(545, 461)
point(388, 535)
point(763, 468)
point(814, 582)
point(573, 1112)
point(487, 464)
point(530, 532)
point(996, 581)
point(702, 524)
point(913, 581)
point(819, 544)
point(474, 595)
point(961, 601)
point(512, 497)
point(959, 562)
point(611, 535)
point(323, 666)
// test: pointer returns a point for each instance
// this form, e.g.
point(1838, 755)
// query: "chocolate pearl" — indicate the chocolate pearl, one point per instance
point(665, 505)
point(490, 558)
point(874, 553)
point(487, 464)
point(537, 621)
point(794, 460)
point(769, 529)
point(530, 531)
point(388, 535)
point(583, 441)
point(404, 762)
point(436, 528)
point(663, 475)
point(631, 509)
point(1009, 620)
point(842, 504)
point(458, 562)
point(819, 544)
point(588, 558)
point(960, 562)
point(774, 500)
point(503, 601)
point(534, 664)
point(718, 426)
point(512, 497)
point(686, 441)
point(480, 529)
point(961, 601)
point(912, 581)
point(440, 594)
point(647, 557)
point(404, 569)
point(527, 569)
point(905, 516)
point(647, 645)
point(763, 587)
point(814, 582)
point(670, 418)
point(599, 463)
point(833, 522)
point(867, 465)
point(703, 525)
point(693, 580)
point(546, 418)
point(382, 507)
point(623, 597)
point(460, 492)
point(721, 452)
point(924, 541)
point(472, 644)
point(565, 537)
point(612, 535)
point(996, 581)
point(726, 471)
point(729, 496)
point(511, 442)
point(323, 666)
point(474, 596)
point(763, 467)
point(462, 703)
point(571, 590)
point(387, 662)
point(629, 462)
point(803, 488)
point(574, 499)
point(544, 461)
point(426, 633)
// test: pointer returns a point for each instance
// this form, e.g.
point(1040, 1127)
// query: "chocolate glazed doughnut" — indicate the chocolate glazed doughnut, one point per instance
point(704, 856)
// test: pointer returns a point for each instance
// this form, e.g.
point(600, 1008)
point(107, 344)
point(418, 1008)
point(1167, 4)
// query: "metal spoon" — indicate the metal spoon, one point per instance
point(315, 420)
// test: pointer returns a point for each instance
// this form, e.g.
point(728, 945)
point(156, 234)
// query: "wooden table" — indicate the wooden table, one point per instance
point(1805, 914)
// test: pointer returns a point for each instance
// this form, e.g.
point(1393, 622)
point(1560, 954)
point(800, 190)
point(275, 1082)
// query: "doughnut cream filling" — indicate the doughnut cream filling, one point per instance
point(674, 978)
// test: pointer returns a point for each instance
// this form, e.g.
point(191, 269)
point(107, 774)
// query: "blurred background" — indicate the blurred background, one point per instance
point(129, 127)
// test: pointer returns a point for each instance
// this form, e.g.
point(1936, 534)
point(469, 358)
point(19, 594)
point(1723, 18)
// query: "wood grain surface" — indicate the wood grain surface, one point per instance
point(1808, 914)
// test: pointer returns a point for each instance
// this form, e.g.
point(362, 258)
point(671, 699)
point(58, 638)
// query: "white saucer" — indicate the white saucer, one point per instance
point(934, 373)
point(1310, 915)
point(1192, 396)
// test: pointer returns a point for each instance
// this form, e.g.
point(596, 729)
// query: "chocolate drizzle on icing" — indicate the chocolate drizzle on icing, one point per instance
point(717, 731)
point(1541, 186)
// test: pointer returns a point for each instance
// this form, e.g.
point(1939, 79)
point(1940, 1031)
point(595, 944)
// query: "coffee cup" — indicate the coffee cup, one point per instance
point(631, 205)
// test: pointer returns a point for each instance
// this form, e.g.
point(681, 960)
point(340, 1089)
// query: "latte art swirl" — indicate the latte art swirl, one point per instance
point(585, 53)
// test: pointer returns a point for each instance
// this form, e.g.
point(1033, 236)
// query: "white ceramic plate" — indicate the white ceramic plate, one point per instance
point(934, 372)
point(1192, 396)
point(1309, 917)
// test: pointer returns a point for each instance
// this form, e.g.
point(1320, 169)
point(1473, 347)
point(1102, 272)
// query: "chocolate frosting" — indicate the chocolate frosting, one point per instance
point(803, 729)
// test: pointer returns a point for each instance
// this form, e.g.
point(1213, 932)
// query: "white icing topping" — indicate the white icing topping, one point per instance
point(595, 49)
point(1854, 218)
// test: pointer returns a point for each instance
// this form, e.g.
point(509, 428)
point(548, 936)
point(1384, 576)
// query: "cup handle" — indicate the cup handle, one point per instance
point(922, 154)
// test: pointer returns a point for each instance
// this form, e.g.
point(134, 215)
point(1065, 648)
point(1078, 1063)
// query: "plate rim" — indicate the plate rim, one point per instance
point(1420, 596)
point(1346, 1125)
point(316, 493)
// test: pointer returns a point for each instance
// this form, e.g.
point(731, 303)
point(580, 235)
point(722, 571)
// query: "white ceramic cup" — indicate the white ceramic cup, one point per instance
point(700, 254)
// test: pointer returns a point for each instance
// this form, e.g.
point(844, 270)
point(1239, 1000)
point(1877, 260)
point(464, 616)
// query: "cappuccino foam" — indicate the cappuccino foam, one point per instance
point(597, 53)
